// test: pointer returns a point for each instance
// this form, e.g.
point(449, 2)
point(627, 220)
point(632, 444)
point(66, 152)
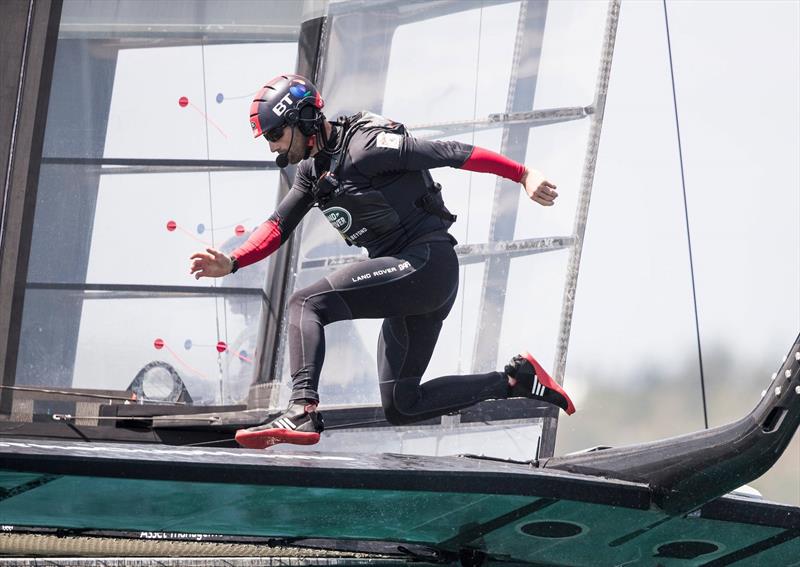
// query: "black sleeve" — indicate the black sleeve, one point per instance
point(297, 202)
point(378, 153)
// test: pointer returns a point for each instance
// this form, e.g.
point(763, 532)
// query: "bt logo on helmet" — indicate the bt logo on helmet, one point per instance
point(280, 107)
point(298, 90)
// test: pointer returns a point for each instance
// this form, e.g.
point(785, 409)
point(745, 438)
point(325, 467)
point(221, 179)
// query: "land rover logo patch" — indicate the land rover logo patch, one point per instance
point(339, 218)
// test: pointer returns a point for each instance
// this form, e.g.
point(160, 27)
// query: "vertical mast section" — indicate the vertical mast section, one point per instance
point(550, 424)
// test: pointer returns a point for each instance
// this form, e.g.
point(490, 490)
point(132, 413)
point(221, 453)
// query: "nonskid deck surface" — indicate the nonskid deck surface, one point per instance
point(507, 511)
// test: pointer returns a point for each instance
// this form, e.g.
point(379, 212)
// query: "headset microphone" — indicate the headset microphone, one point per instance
point(281, 161)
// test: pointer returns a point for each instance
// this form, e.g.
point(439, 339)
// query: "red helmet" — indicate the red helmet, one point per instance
point(286, 100)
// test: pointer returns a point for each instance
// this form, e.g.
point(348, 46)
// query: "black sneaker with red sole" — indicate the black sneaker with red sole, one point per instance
point(534, 382)
point(300, 424)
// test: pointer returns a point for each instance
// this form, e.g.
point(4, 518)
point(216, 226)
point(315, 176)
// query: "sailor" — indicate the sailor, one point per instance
point(371, 180)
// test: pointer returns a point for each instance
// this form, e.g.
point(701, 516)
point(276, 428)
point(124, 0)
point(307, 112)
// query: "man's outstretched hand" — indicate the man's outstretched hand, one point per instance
point(210, 264)
point(538, 188)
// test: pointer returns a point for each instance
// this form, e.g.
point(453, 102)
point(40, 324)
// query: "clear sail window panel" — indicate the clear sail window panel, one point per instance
point(459, 64)
point(157, 55)
point(470, 54)
point(191, 102)
point(50, 320)
point(559, 152)
point(470, 196)
point(571, 51)
point(142, 228)
point(430, 64)
point(146, 226)
point(532, 307)
point(63, 216)
point(118, 337)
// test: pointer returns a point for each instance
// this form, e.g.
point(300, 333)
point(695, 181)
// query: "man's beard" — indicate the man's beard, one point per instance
point(297, 150)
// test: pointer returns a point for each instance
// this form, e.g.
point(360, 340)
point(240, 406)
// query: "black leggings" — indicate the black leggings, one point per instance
point(413, 292)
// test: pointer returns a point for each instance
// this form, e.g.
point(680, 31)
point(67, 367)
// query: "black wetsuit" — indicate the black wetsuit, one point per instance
point(386, 202)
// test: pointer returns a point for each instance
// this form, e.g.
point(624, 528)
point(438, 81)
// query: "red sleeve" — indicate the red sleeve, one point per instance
point(262, 242)
point(487, 161)
point(279, 226)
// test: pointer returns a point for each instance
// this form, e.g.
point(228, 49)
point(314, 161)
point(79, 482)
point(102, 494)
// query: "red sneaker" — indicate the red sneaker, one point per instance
point(300, 424)
point(534, 382)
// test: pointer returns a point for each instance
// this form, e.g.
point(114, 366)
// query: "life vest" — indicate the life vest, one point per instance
point(382, 212)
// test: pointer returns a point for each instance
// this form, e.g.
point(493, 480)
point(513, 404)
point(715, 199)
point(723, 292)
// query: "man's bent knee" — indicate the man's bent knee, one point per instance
point(394, 417)
point(398, 397)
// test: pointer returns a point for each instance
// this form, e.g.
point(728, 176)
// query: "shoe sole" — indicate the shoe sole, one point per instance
point(270, 437)
point(547, 381)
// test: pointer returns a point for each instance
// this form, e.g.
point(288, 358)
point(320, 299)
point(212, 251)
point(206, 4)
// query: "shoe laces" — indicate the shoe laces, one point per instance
point(513, 366)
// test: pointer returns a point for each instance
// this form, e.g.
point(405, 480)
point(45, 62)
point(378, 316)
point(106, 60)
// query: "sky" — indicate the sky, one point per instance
point(737, 76)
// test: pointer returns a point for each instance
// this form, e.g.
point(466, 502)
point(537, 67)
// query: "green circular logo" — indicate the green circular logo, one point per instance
point(339, 218)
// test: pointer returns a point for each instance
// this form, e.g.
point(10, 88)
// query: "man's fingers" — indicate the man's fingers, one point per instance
point(548, 197)
point(543, 199)
point(202, 261)
point(544, 190)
